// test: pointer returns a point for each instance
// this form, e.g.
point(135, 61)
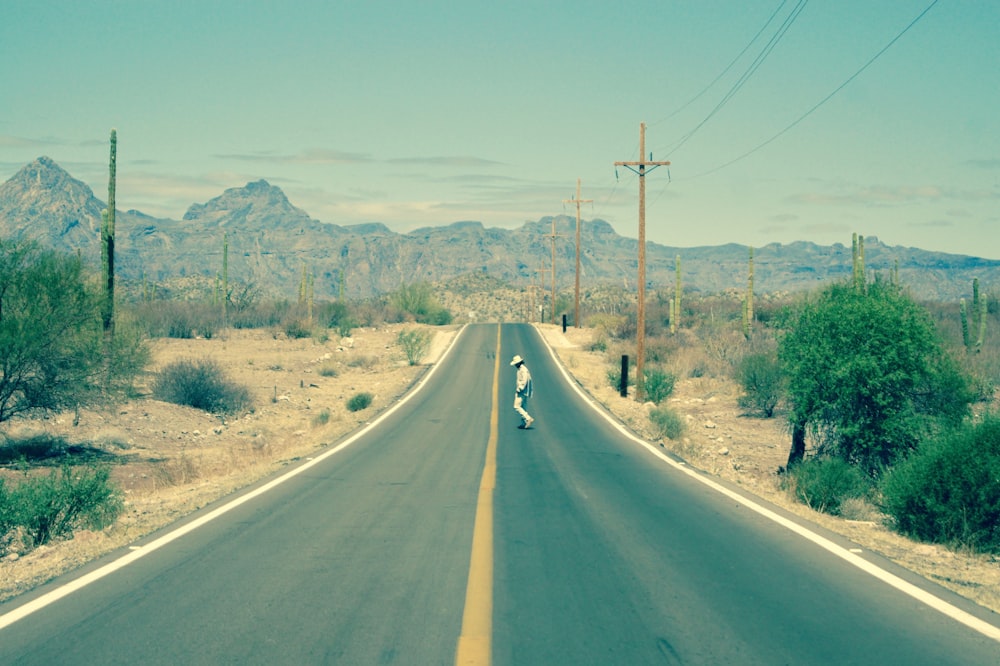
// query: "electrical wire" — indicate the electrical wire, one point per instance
point(750, 71)
point(725, 71)
point(825, 99)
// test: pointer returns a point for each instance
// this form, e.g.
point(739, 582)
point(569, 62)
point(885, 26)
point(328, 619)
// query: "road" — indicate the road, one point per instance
point(445, 533)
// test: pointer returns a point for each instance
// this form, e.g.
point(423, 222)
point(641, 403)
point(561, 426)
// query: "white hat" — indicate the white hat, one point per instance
point(517, 359)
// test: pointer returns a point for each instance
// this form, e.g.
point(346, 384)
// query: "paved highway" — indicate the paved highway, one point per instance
point(446, 535)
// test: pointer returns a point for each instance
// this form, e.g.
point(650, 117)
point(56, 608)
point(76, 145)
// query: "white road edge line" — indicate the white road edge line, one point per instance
point(51, 597)
point(928, 599)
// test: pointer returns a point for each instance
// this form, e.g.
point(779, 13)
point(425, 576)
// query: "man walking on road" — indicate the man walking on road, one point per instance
point(522, 392)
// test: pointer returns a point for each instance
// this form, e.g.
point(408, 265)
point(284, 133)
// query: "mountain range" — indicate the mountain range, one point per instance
point(271, 242)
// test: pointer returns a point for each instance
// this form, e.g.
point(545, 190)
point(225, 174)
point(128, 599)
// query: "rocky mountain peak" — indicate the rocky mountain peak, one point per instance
point(44, 202)
point(255, 206)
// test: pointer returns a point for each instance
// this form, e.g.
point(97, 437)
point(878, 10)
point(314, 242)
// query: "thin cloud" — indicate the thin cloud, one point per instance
point(305, 157)
point(8, 141)
point(453, 161)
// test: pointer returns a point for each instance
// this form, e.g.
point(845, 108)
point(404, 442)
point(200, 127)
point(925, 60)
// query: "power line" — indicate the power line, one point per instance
point(825, 99)
point(727, 68)
point(750, 71)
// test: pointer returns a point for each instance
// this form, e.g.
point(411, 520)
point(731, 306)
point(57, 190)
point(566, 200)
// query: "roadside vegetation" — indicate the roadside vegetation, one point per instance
point(57, 356)
point(890, 402)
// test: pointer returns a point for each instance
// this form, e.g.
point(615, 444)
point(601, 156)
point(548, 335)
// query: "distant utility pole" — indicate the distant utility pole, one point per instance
point(553, 236)
point(640, 168)
point(541, 292)
point(577, 201)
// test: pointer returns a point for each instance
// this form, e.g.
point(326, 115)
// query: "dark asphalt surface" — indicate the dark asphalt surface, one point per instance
point(603, 553)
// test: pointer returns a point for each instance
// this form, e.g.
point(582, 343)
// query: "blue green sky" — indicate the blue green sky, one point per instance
point(781, 119)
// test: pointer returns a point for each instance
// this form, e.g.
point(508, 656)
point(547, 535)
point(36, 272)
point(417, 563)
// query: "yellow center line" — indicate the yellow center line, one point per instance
point(474, 643)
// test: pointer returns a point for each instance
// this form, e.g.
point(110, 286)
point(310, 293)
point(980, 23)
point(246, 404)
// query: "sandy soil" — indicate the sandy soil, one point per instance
point(172, 460)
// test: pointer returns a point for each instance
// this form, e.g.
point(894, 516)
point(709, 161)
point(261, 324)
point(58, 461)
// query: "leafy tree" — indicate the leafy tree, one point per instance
point(868, 375)
point(53, 352)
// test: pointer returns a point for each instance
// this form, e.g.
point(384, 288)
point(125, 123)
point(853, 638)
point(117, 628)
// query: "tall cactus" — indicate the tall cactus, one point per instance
point(858, 256)
point(108, 243)
point(225, 279)
point(974, 322)
point(748, 302)
point(675, 303)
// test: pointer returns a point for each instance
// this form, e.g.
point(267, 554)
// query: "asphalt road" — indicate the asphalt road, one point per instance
point(598, 552)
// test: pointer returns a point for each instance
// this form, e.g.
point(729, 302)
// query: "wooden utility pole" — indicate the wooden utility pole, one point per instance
point(541, 292)
point(640, 334)
point(553, 236)
point(577, 201)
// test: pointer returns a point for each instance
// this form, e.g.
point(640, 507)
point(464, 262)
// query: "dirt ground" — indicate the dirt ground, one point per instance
point(172, 460)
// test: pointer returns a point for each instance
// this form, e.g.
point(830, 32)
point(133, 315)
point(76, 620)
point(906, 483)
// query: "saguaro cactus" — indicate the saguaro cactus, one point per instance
point(977, 318)
point(748, 302)
point(858, 256)
point(108, 243)
point(225, 279)
point(675, 303)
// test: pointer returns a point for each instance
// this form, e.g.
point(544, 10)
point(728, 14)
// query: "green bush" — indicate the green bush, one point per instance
point(659, 384)
point(54, 505)
point(200, 384)
point(868, 375)
point(824, 483)
point(948, 491)
point(415, 343)
point(615, 377)
point(359, 401)
point(667, 422)
point(8, 515)
point(759, 375)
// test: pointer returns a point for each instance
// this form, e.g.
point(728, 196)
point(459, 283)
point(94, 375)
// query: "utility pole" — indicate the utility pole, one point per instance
point(553, 236)
point(640, 334)
point(577, 201)
point(541, 292)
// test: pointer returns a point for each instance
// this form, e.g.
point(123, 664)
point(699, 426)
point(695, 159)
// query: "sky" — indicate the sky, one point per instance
point(782, 121)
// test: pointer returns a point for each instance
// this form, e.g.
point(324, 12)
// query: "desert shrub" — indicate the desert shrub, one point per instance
point(179, 319)
point(419, 302)
point(327, 370)
point(415, 343)
point(201, 384)
point(8, 515)
point(658, 384)
point(824, 483)
point(759, 375)
point(359, 401)
point(32, 448)
point(363, 361)
point(615, 377)
point(322, 418)
point(53, 505)
point(296, 329)
point(948, 491)
point(259, 315)
point(667, 422)
point(53, 350)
